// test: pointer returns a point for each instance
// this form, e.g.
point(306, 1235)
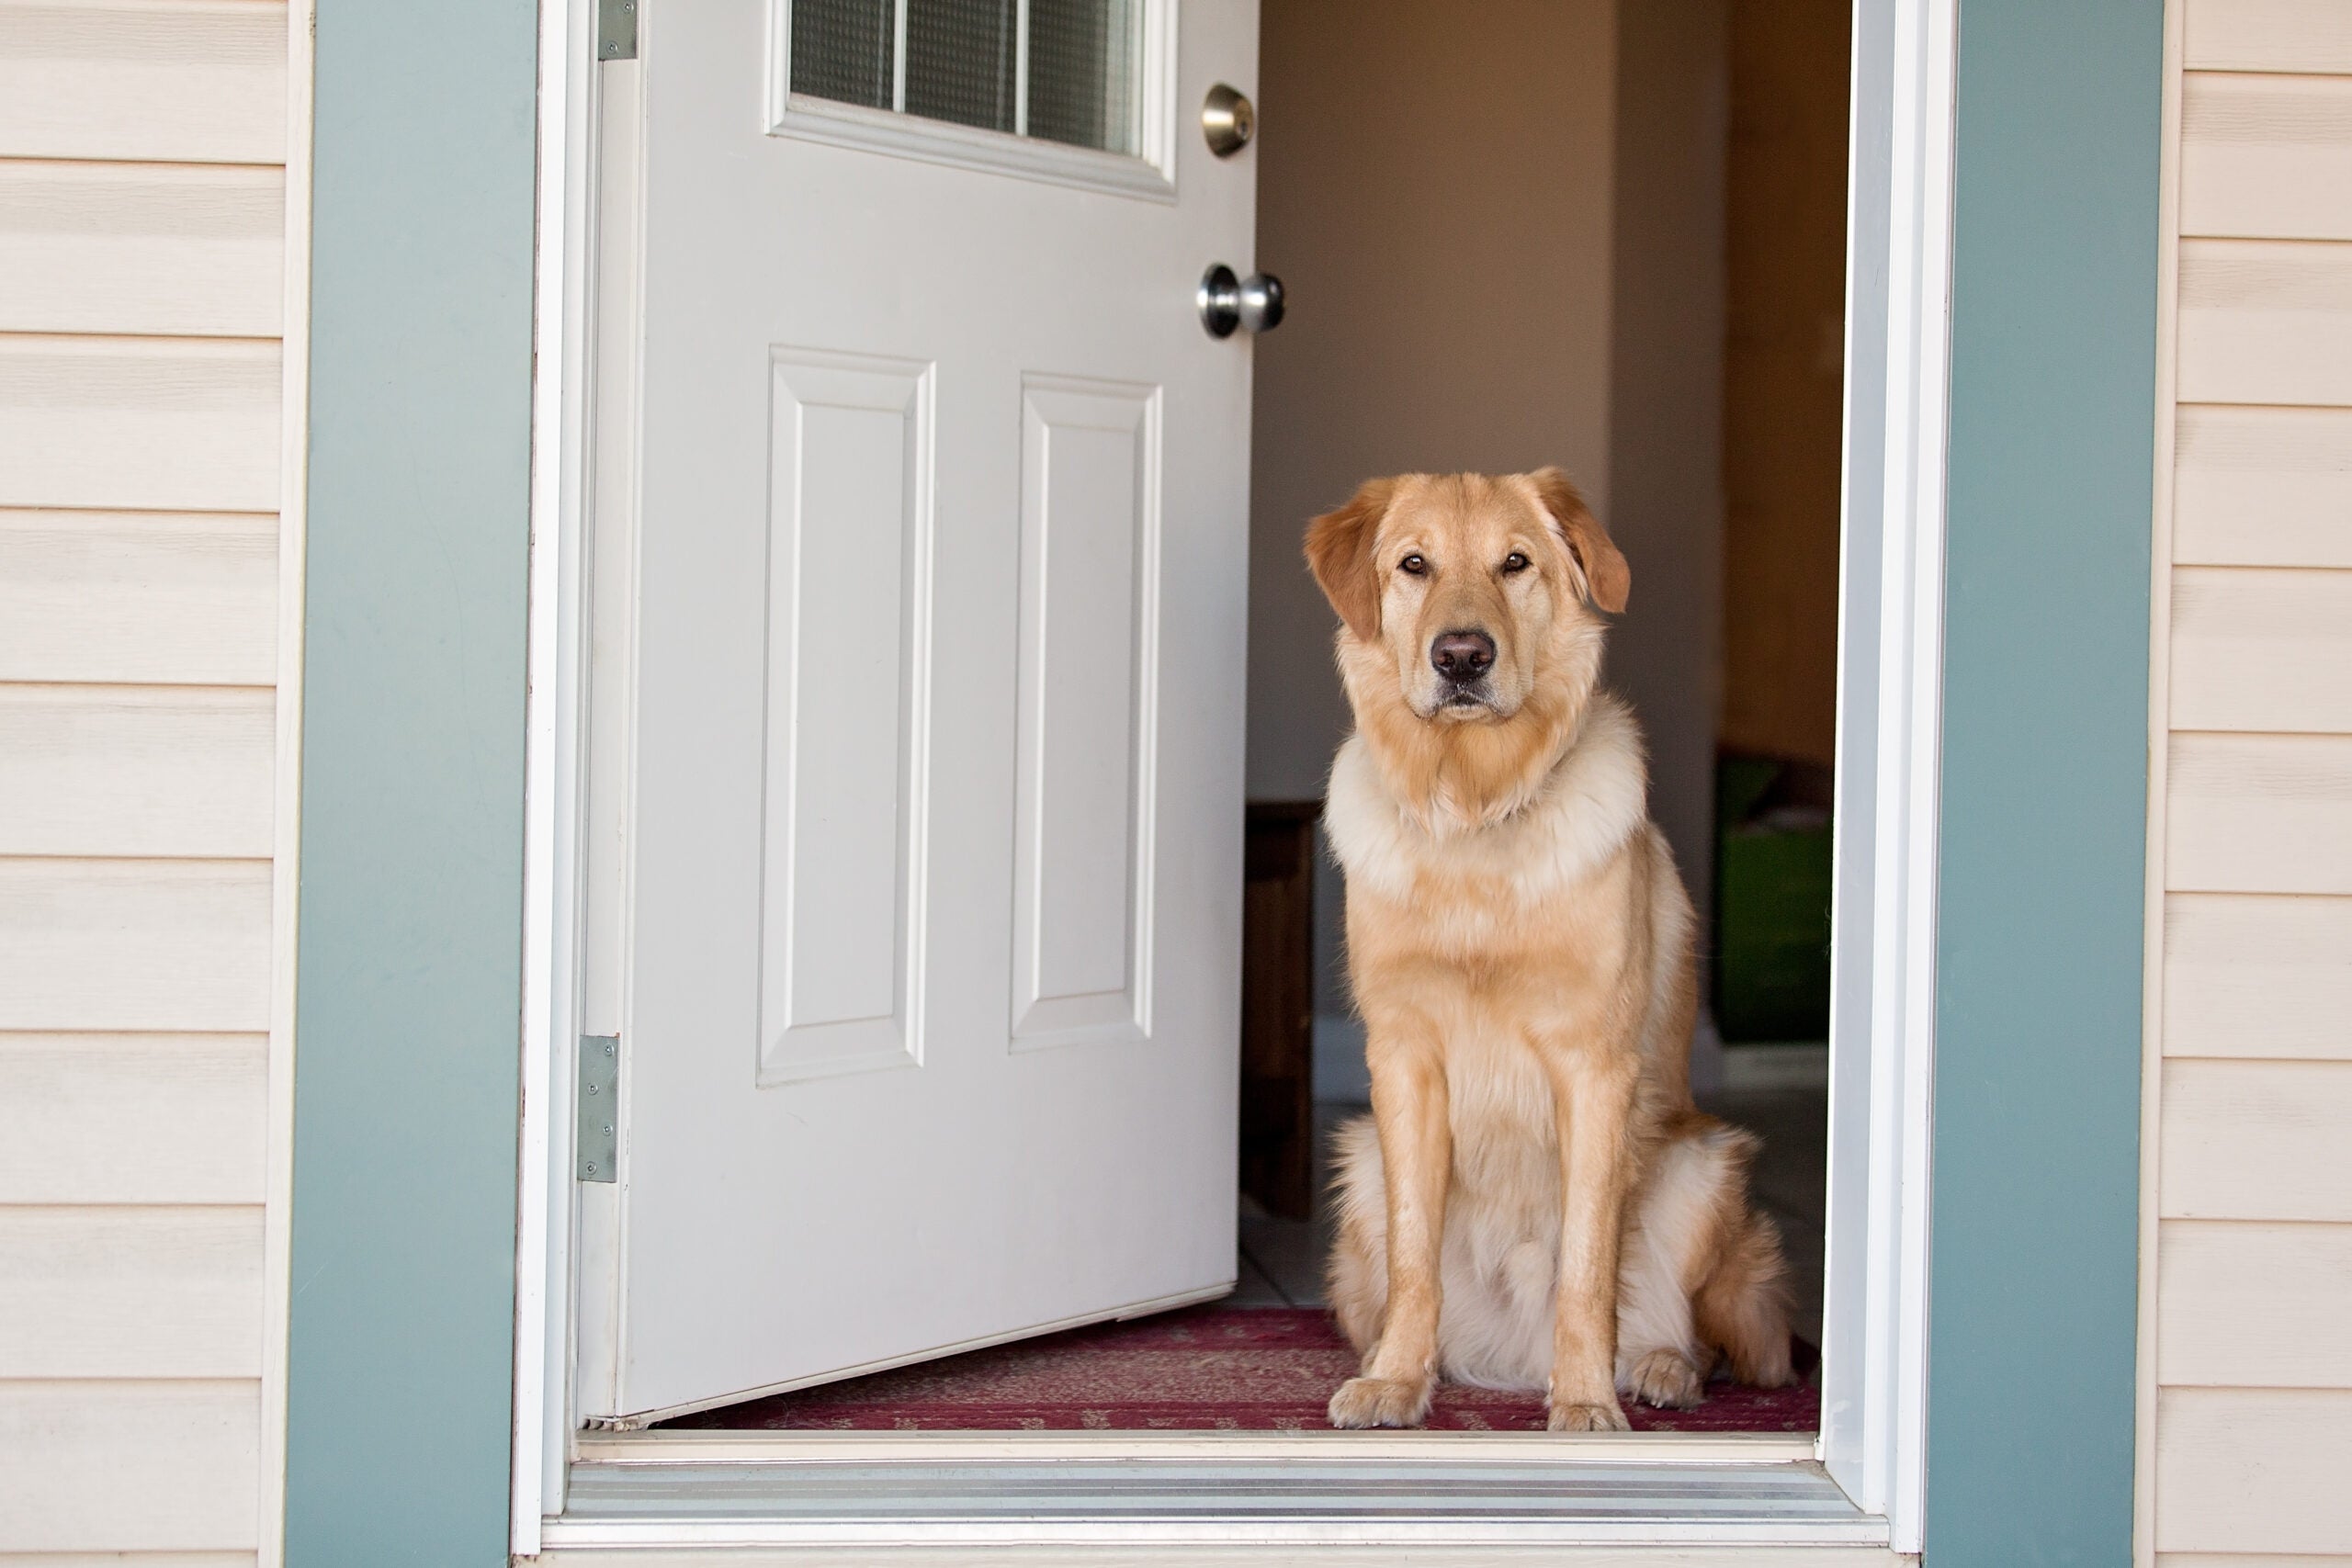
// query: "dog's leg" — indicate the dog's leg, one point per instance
point(1592, 1102)
point(1409, 1102)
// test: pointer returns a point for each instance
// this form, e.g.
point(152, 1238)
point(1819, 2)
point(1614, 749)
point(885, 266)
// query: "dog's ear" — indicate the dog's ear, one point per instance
point(1608, 578)
point(1339, 551)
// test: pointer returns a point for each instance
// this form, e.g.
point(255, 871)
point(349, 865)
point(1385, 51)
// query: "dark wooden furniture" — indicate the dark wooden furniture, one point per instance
point(1278, 1007)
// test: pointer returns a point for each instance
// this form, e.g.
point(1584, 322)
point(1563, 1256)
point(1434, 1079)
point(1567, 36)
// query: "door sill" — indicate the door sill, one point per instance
point(1203, 1489)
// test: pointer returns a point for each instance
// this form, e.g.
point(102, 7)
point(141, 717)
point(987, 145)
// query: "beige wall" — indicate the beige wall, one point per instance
point(1433, 186)
point(142, 235)
point(2247, 1344)
point(1783, 357)
point(1500, 226)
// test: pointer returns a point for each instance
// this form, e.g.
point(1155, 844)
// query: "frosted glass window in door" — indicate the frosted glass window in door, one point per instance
point(1058, 70)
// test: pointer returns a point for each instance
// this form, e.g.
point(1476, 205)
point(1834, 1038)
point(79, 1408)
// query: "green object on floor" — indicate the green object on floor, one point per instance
point(1772, 885)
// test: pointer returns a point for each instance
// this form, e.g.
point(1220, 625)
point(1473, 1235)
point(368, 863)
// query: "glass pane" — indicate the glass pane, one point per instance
point(840, 50)
point(964, 62)
point(960, 61)
point(1082, 69)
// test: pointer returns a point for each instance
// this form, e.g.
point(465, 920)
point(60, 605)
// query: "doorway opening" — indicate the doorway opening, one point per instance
point(1602, 235)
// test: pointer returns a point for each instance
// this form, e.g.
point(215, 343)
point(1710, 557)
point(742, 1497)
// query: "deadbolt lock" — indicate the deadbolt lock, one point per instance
point(1227, 120)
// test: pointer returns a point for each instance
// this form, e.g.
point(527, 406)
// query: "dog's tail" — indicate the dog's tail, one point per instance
point(1742, 1305)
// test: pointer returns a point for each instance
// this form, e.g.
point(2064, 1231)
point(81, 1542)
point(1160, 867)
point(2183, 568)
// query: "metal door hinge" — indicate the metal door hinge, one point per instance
point(597, 1144)
point(616, 30)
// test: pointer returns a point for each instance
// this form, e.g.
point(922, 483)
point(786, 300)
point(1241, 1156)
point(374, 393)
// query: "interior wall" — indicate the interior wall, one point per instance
point(1434, 188)
point(1666, 400)
point(1783, 362)
point(1501, 228)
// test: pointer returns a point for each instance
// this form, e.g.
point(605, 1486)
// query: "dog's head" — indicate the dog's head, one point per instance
point(1473, 614)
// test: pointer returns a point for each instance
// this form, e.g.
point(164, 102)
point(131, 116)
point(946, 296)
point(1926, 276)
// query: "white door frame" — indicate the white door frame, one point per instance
point(1898, 292)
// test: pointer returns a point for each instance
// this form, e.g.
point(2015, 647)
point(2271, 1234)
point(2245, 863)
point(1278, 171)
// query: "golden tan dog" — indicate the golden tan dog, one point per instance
point(1535, 1202)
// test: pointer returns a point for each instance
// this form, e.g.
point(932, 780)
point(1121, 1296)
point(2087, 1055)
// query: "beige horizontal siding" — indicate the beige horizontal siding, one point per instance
point(2259, 814)
point(185, 81)
point(2250, 1292)
point(2261, 649)
point(2267, 156)
point(2254, 1305)
point(143, 1119)
point(137, 770)
point(122, 1466)
point(149, 598)
point(2252, 1469)
point(142, 248)
point(2256, 1140)
point(139, 424)
point(2266, 35)
point(127, 1559)
point(2262, 487)
point(2265, 321)
point(2256, 977)
point(123, 1293)
point(142, 290)
point(134, 946)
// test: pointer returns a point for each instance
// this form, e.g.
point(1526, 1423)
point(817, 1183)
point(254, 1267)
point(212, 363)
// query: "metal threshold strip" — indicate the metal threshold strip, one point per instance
point(740, 1492)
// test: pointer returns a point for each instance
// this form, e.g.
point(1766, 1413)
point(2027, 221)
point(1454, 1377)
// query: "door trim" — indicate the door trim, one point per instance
point(1891, 690)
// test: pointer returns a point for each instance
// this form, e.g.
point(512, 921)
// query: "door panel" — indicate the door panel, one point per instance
point(849, 549)
point(933, 746)
point(1089, 505)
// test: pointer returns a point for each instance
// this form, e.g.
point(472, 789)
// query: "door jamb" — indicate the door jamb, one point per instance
point(1898, 283)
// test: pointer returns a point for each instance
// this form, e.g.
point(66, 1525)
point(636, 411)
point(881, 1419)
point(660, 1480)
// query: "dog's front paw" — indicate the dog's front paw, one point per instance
point(1587, 1418)
point(1380, 1402)
point(1667, 1380)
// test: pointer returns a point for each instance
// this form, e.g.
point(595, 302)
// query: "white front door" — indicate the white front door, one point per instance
point(929, 939)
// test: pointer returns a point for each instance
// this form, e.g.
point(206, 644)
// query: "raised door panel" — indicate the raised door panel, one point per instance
point(848, 651)
point(2251, 977)
point(2262, 487)
point(2265, 321)
point(2267, 157)
point(1082, 862)
point(187, 81)
point(2261, 651)
point(2259, 814)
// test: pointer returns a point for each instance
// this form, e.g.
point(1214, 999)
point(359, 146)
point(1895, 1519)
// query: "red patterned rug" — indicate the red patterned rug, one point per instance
point(1231, 1368)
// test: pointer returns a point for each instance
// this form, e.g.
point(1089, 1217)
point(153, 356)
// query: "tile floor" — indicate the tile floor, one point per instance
point(1281, 1260)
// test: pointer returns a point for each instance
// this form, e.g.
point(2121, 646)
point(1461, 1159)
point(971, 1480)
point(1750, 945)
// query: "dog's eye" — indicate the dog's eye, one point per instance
point(1516, 562)
point(1413, 566)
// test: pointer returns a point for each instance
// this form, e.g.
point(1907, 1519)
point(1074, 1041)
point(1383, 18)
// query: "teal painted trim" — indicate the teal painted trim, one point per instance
point(407, 1010)
point(2034, 1274)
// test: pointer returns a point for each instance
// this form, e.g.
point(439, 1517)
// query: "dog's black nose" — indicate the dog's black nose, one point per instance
point(1463, 657)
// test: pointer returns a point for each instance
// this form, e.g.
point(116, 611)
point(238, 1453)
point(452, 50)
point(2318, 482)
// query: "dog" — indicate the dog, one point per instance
point(1535, 1202)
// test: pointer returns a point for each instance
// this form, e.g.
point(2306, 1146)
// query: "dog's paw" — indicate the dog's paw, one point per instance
point(1380, 1402)
point(1587, 1418)
point(1667, 1380)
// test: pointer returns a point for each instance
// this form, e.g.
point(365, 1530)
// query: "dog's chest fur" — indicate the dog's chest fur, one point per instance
point(1483, 896)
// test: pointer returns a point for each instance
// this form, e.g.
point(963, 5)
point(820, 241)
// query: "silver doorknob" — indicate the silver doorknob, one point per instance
point(1253, 303)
